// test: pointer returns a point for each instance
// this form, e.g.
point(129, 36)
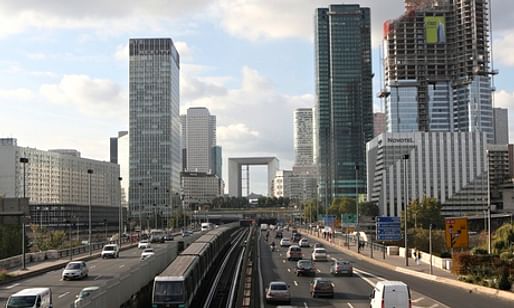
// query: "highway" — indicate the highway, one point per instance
point(101, 271)
point(354, 291)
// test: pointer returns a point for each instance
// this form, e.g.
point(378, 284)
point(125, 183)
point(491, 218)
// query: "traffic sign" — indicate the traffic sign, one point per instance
point(329, 220)
point(456, 233)
point(349, 220)
point(388, 228)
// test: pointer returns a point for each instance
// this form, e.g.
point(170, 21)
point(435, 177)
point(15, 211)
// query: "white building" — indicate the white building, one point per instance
point(303, 136)
point(451, 167)
point(56, 176)
point(200, 138)
point(281, 186)
point(200, 188)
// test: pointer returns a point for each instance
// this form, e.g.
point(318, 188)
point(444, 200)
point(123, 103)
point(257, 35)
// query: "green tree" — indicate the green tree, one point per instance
point(368, 209)
point(9, 243)
point(423, 213)
point(310, 211)
point(503, 239)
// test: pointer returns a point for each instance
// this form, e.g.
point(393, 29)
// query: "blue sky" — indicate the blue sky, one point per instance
point(63, 68)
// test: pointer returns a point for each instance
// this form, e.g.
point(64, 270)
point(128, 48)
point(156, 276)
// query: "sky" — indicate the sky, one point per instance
point(64, 68)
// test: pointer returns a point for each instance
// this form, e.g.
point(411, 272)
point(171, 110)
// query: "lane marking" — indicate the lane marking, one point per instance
point(283, 261)
point(63, 295)
point(92, 266)
point(371, 283)
point(289, 270)
point(12, 286)
point(434, 305)
point(98, 277)
point(122, 266)
point(295, 283)
point(349, 305)
point(418, 299)
point(305, 305)
point(318, 270)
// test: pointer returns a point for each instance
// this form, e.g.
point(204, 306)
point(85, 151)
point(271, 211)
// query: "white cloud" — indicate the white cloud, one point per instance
point(504, 48)
point(183, 50)
point(122, 53)
point(505, 99)
point(19, 94)
point(90, 96)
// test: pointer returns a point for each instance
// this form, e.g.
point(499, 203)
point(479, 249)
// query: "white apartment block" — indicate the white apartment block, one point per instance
point(56, 176)
point(450, 167)
point(200, 138)
point(282, 183)
point(200, 188)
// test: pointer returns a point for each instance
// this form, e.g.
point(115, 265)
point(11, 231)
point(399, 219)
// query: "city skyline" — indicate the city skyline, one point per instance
point(65, 76)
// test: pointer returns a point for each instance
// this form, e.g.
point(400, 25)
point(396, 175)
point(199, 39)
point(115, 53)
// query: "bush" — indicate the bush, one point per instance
point(479, 251)
point(506, 256)
point(4, 275)
point(504, 283)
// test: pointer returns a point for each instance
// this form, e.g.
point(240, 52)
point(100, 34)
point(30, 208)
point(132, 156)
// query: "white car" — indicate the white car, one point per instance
point(86, 292)
point(148, 252)
point(111, 251)
point(304, 242)
point(75, 270)
point(285, 242)
point(319, 254)
point(143, 244)
point(278, 291)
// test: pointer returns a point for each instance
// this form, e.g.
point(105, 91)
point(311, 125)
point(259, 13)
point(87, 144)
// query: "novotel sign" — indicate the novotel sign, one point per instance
point(400, 140)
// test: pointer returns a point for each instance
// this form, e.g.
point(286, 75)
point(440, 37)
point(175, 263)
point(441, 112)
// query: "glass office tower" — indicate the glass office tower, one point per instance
point(343, 112)
point(155, 154)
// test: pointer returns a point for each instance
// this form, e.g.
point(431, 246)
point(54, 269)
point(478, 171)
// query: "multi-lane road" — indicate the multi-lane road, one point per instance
point(101, 271)
point(354, 291)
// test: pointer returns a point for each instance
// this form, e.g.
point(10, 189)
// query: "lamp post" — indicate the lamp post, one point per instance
point(155, 214)
point(105, 226)
point(139, 207)
point(120, 217)
point(489, 247)
point(24, 161)
point(183, 209)
point(357, 206)
point(155, 205)
point(69, 235)
point(430, 245)
point(405, 158)
point(90, 172)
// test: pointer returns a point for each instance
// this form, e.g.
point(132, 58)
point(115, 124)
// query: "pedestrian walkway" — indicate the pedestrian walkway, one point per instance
point(377, 254)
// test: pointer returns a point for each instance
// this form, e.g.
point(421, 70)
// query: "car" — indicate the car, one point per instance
point(319, 254)
point(322, 287)
point(143, 244)
point(341, 267)
point(278, 234)
point(285, 242)
point(110, 251)
point(318, 245)
point(168, 237)
point(187, 233)
point(295, 237)
point(390, 294)
point(294, 253)
point(32, 297)
point(305, 267)
point(75, 270)
point(304, 242)
point(86, 292)
point(148, 252)
point(278, 292)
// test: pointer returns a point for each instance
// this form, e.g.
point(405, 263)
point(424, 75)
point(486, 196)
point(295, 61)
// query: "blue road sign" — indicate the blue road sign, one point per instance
point(388, 228)
point(329, 220)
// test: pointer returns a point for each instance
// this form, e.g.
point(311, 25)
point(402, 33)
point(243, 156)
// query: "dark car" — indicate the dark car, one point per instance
point(322, 287)
point(168, 237)
point(296, 237)
point(278, 234)
point(305, 267)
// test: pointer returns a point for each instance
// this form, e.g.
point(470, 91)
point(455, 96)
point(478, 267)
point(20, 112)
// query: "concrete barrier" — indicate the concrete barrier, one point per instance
point(122, 288)
point(393, 251)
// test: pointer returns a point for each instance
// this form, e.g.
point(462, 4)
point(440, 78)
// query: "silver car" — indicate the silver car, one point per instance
point(278, 291)
point(84, 293)
point(75, 270)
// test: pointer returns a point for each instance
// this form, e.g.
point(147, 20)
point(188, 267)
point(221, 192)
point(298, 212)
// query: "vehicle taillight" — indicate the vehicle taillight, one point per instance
point(383, 303)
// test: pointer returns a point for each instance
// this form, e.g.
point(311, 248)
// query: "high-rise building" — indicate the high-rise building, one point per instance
point(378, 123)
point(303, 134)
point(501, 171)
point(501, 125)
point(450, 167)
point(343, 120)
point(154, 127)
point(437, 71)
point(200, 138)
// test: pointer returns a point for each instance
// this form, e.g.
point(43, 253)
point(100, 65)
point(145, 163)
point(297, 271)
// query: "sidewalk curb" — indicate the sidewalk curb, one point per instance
point(471, 288)
point(60, 264)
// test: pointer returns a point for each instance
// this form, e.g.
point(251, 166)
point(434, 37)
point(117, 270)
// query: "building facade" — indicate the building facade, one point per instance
point(303, 135)
point(282, 183)
point(123, 161)
point(154, 126)
point(199, 133)
point(343, 118)
point(437, 68)
point(501, 125)
point(56, 177)
point(379, 124)
point(200, 188)
point(501, 167)
point(450, 167)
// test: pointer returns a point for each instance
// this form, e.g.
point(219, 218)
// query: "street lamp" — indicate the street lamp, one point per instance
point(90, 173)
point(155, 204)
point(430, 245)
point(139, 207)
point(24, 161)
point(120, 217)
point(357, 206)
point(405, 158)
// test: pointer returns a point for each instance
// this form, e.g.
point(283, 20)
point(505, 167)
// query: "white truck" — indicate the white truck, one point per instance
point(264, 227)
point(206, 226)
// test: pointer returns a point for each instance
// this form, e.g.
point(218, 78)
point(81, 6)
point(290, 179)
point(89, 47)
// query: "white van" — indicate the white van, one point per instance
point(206, 226)
point(390, 294)
point(31, 298)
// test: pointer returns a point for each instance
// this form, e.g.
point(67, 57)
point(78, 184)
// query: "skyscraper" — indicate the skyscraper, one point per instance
point(343, 120)
point(199, 139)
point(303, 150)
point(154, 127)
point(378, 123)
point(501, 125)
point(437, 72)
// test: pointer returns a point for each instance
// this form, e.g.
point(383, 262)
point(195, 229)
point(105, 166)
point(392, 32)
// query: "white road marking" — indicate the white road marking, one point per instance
point(371, 283)
point(305, 305)
point(295, 283)
point(122, 266)
point(289, 270)
point(280, 254)
point(318, 270)
point(418, 299)
point(98, 277)
point(63, 295)
point(434, 305)
point(349, 305)
point(283, 261)
point(92, 266)
point(12, 286)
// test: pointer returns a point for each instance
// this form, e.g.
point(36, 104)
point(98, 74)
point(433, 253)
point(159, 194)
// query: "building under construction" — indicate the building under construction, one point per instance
point(437, 67)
